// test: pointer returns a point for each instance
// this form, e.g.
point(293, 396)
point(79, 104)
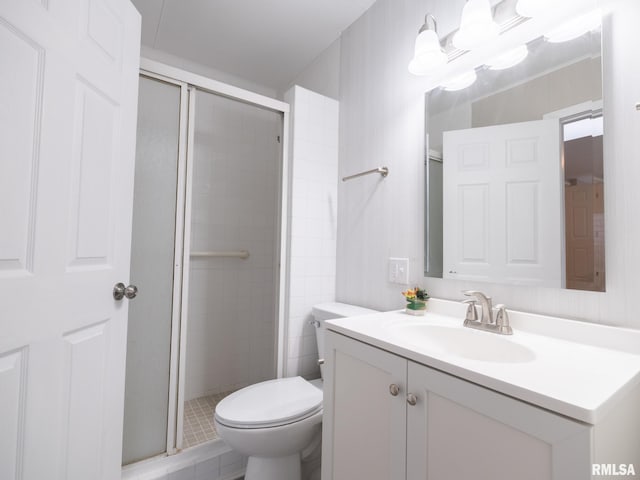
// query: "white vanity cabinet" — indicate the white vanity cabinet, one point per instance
point(389, 418)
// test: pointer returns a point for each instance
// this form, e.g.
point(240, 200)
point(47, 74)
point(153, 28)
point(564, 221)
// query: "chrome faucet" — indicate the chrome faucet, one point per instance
point(485, 303)
point(498, 325)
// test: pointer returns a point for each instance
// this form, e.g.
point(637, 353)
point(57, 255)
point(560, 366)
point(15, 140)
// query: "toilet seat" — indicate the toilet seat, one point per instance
point(270, 404)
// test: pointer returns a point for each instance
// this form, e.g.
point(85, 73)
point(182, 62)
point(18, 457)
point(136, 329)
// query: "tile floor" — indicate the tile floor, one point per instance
point(198, 419)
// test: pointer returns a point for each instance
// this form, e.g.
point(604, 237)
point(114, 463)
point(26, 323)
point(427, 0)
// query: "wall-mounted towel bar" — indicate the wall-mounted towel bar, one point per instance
point(222, 253)
point(384, 171)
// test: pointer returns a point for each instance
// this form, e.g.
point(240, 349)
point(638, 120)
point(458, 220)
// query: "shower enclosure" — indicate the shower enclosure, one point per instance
point(206, 255)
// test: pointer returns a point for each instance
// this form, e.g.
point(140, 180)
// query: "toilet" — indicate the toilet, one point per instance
point(275, 421)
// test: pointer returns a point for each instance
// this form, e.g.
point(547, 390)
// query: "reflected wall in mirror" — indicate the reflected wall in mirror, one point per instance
point(514, 172)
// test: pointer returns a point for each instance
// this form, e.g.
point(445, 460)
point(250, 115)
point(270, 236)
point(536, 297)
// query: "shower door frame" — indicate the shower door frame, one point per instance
point(189, 83)
point(179, 265)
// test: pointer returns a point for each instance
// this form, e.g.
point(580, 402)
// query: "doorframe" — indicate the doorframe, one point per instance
point(189, 82)
point(213, 86)
point(566, 115)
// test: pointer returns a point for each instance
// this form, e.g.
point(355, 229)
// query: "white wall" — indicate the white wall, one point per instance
point(382, 123)
point(312, 221)
point(232, 323)
point(323, 74)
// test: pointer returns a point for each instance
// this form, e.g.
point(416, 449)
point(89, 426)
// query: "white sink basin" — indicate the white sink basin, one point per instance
point(576, 369)
point(463, 342)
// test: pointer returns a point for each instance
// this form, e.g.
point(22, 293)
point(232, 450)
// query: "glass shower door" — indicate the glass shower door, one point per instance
point(234, 265)
point(152, 270)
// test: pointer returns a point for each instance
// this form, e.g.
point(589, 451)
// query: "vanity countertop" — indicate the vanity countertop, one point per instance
point(576, 369)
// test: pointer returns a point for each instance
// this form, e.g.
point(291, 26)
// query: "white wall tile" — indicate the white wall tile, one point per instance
point(208, 469)
point(305, 366)
point(299, 326)
point(186, 473)
point(313, 222)
point(231, 462)
point(303, 345)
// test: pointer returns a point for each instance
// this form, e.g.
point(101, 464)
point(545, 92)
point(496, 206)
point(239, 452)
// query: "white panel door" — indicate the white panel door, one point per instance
point(68, 88)
point(503, 204)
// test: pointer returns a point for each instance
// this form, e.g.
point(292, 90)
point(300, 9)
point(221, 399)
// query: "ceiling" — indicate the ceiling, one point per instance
point(268, 42)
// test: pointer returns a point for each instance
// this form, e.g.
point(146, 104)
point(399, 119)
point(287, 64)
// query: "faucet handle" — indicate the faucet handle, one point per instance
point(476, 293)
point(472, 313)
point(502, 320)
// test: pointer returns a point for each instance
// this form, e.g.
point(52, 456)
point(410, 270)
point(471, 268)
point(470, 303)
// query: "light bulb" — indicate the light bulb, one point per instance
point(428, 53)
point(476, 25)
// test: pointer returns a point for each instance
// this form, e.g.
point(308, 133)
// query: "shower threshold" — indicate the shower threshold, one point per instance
point(198, 419)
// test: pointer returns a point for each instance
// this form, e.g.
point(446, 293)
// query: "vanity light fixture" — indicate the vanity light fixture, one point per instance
point(463, 81)
point(575, 28)
point(428, 53)
point(509, 59)
point(476, 25)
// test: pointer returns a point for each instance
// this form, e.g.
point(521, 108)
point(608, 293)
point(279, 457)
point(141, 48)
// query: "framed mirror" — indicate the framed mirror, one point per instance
point(514, 171)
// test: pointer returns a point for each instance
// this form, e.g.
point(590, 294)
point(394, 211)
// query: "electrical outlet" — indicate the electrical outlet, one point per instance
point(399, 270)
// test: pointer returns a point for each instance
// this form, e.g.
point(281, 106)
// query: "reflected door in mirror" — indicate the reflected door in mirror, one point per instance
point(585, 236)
point(502, 188)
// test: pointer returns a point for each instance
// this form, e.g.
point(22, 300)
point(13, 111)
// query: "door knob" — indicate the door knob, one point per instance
point(120, 291)
point(394, 389)
point(412, 399)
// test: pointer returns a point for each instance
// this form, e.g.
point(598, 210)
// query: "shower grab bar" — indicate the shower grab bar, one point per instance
point(222, 253)
point(384, 171)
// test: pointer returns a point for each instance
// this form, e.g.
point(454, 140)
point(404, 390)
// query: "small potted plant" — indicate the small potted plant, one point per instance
point(416, 301)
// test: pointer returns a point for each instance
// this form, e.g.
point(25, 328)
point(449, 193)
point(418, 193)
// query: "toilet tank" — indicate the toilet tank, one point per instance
point(328, 311)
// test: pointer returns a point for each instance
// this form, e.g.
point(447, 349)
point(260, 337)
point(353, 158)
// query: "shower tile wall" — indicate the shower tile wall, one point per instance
point(231, 319)
point(312, 221)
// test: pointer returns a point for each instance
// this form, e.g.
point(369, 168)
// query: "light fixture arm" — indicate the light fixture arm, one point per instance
point(425, 25)
point(428, 52)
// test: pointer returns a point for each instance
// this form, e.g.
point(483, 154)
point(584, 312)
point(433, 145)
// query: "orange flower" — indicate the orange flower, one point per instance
point(410, 293)
point(416, 294)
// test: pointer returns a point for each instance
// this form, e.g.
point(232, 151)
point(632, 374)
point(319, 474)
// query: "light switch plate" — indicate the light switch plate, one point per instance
point(399, 270)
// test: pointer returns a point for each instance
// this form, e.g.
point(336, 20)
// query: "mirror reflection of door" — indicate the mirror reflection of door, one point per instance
point(584, 204)
point(502, 189)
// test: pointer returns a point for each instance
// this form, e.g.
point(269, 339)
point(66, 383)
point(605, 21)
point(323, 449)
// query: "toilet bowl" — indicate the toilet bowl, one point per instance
point(273, 422)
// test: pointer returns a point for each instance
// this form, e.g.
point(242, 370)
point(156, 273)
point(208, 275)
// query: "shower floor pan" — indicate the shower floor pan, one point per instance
point(198, 419)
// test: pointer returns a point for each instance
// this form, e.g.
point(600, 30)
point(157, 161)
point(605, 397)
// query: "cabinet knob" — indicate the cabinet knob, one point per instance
point(394, 389)
point(412, 399)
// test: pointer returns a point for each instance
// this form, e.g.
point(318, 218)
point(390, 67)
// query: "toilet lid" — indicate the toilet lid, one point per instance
point(270, 403)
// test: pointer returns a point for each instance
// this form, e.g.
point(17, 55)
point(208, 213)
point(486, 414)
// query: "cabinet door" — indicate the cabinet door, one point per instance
point(364, 425)
point(459, 430)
